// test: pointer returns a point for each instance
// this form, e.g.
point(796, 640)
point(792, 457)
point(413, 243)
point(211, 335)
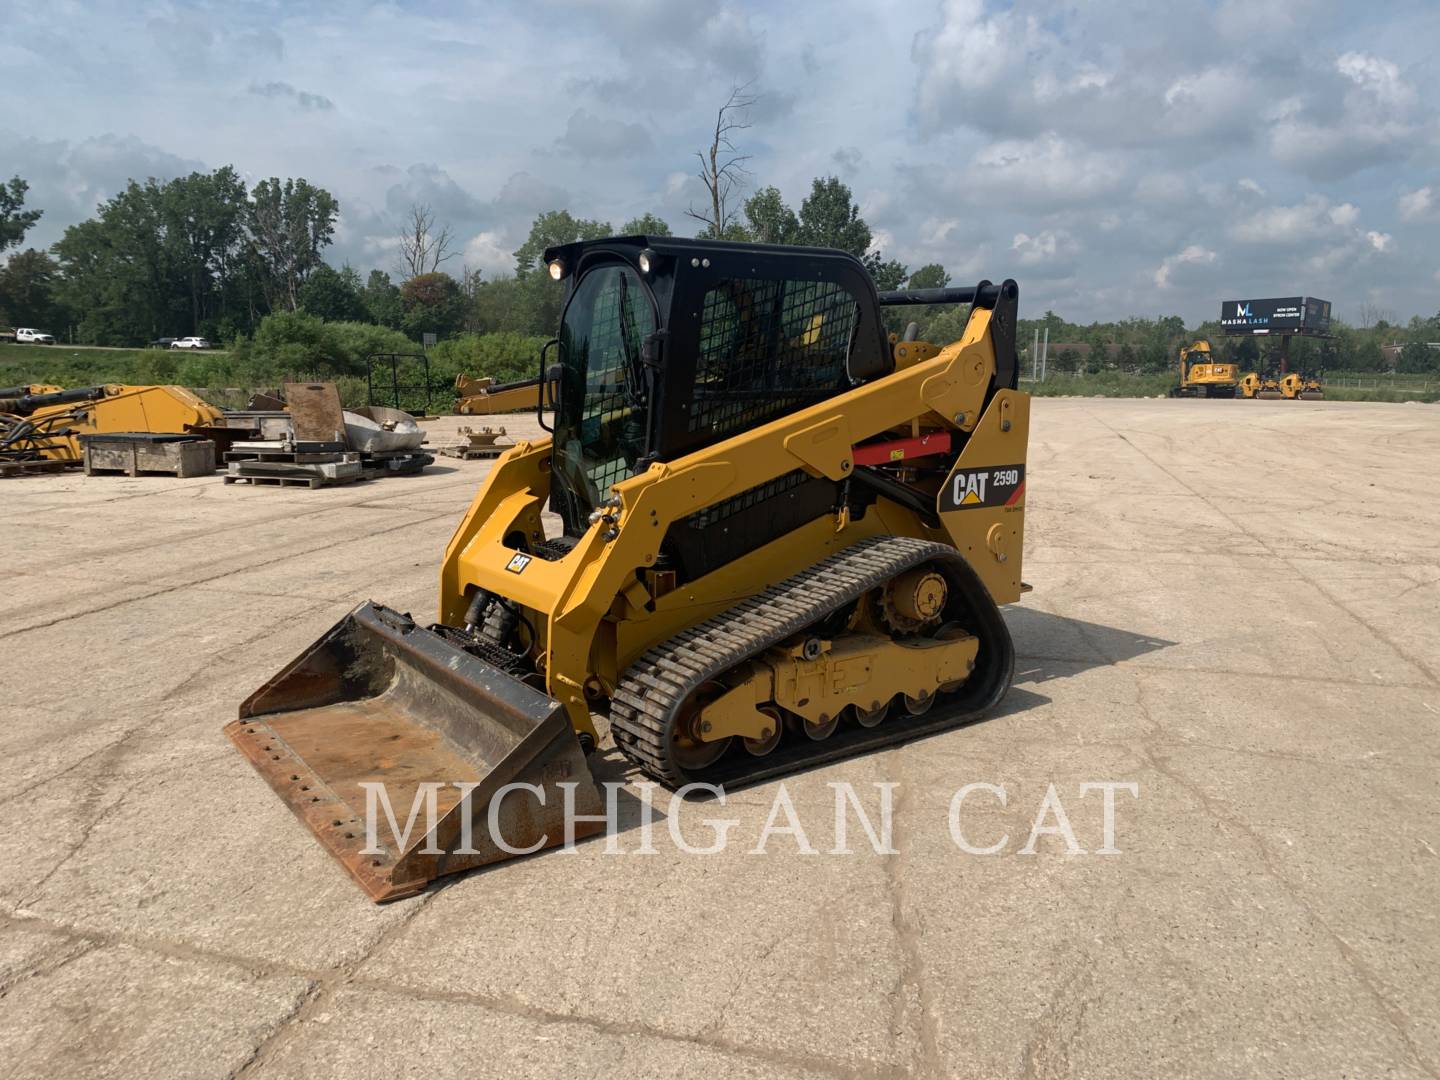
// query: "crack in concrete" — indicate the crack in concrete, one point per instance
point(1392, 1013)
point(1279, 556)
point(1273, 676)
point(86, 829)
point(263, 561)
point(1047, 1051)
point(48, 963)
point(326, 982)
point(326, 988)
point(907, 924)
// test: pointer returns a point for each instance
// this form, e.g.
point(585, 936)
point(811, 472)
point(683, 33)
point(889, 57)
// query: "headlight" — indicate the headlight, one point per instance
point(646, 261)
point(557, 270)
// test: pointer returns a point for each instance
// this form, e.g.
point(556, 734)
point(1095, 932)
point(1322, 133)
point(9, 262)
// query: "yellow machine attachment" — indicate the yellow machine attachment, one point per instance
point(46, 422)
point(785, 539)
point(481, 397)
point(1249, 384)
point(1311, 388)
point(1202, 378)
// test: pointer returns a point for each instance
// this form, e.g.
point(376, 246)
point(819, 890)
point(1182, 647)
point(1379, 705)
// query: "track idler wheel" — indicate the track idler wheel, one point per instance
point(691, 751)
point(767, 742)
point(819, 729)
point(919, 705)
point(868, 718)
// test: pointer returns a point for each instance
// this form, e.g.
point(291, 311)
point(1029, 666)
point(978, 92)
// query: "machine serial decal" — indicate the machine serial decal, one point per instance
point(518, 562)
point(967, 489)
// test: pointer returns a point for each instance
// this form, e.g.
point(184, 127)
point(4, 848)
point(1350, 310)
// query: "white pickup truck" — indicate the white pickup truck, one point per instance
point(26, 336)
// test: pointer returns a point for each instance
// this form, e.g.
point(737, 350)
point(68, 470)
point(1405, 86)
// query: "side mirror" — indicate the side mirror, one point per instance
point(549, 389)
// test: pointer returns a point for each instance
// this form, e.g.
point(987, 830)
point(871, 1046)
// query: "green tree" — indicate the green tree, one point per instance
point(1367, 356)
point(381, 300)
point(552, 228)
point(735, 230)
point(15, 220)
point(769, 220)
point(1418, 358)
point(929, 276)
point(829, 217)
point(433, 304)
point(645, 225)
point(27, 291)
point(334, 295)
point(290, 224)
point(193, 255)
point(888, 274)
point(202, 220)
point(119, 272)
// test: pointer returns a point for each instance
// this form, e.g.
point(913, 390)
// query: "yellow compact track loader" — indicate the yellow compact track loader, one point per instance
point(46, 422)
point(785, 538)
point(1202, 377)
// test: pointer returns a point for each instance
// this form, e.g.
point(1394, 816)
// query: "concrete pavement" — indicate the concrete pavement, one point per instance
point(1236, 608)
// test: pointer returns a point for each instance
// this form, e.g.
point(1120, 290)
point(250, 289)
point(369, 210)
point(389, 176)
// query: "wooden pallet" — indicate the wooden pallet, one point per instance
point(35, 468)
point(311, 482)
point(472, 453)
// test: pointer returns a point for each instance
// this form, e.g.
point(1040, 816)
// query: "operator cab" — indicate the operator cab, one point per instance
point(668, 345)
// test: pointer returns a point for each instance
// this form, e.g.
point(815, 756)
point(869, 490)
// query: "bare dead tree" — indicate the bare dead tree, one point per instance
point(722, 166)
point(1372, 314)
point(423, 247)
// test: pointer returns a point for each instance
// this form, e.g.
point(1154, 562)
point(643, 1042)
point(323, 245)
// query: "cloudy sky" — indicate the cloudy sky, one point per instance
point(1119, 158)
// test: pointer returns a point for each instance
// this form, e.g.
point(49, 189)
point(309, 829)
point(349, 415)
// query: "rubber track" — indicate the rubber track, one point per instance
point(656, 685)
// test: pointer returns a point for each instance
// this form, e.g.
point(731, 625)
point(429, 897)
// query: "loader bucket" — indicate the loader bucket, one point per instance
point(382, 701)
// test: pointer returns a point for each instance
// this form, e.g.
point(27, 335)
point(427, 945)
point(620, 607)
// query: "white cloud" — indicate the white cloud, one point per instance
point(1417, 205)
point(1372, 122)
point(590, 136)
point(1102, 129)
point(1049, 169)
point(492, 253)
point(1377, 76)
point(1193, 255)
point(1314, 218)
point(1046, 247)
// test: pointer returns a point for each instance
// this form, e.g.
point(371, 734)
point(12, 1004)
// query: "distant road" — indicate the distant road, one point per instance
point(62, 347)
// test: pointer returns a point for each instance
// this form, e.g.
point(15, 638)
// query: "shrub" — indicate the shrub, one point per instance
point(504, 357)
point(296, 344)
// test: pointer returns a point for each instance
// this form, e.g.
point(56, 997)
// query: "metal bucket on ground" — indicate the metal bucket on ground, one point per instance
point(378, 430)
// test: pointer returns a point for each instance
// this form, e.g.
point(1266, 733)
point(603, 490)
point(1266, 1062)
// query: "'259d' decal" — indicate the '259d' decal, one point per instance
point(1000, 485)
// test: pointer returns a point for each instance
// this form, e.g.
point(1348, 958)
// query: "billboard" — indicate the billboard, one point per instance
point(1279, 315)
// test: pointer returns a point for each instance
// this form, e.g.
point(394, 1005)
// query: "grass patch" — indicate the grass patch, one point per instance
point(1393, 388)
point(1102, 384)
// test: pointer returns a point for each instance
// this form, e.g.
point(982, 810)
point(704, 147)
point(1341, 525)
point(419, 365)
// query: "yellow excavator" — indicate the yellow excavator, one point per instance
point(785, 539)
point(1201, 377)
point(44, 423)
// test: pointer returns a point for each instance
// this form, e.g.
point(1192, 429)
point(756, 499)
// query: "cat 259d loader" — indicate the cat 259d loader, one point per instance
point(786, 539)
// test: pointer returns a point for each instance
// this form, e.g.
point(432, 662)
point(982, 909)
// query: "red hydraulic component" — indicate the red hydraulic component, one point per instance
point(887, 453)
